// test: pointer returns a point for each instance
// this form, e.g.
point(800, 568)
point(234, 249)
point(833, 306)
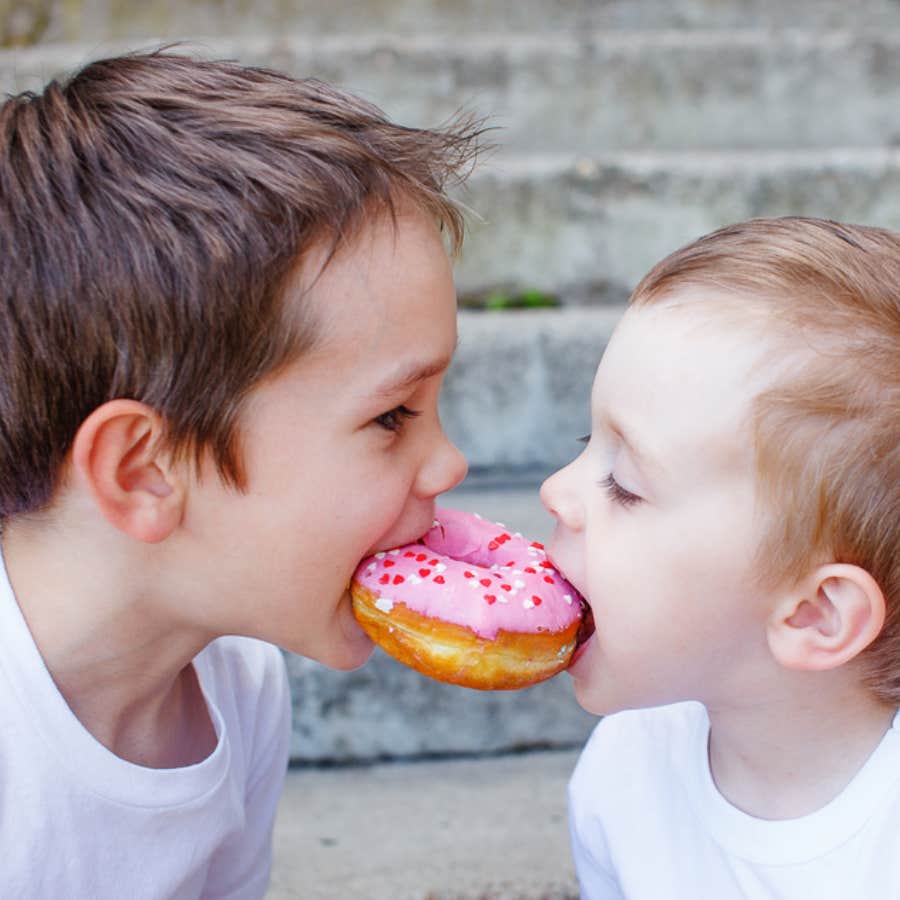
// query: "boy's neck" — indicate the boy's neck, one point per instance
point(787, 758)
point(124, 670)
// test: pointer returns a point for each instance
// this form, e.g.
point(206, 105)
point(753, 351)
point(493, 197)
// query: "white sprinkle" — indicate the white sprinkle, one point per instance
point(384, 604)
point(567, 598)
point(503, 599)
point(380, 555)
point(472, 582)
point(440, 567)
point(391, 629)
point(476, 515)
point(518, 583)
point(518, 534)
point(533, 551)
point(371, 567)
point(414, 579)
point(528, 604)
point(394, 552)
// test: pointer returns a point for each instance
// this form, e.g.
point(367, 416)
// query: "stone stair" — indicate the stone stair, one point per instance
point(626, 129)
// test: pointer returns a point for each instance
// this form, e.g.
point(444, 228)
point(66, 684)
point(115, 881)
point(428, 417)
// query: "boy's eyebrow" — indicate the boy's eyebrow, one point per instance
point(410, 374)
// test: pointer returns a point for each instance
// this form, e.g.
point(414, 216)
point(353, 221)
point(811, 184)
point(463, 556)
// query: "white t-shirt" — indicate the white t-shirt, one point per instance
point(76, 821)
point(648, 823)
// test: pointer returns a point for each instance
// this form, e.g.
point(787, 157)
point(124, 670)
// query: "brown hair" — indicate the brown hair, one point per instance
point(828, 428)
point(152, 208)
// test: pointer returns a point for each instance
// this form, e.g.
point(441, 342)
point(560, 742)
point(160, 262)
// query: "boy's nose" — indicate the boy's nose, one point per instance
point(561, 500)
point(444, 468)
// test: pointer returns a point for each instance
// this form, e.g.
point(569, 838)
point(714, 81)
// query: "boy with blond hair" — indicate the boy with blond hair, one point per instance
point(227, 309)
point(734, 523)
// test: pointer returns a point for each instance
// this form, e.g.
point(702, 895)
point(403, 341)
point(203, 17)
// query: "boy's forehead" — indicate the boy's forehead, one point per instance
point(679, 379)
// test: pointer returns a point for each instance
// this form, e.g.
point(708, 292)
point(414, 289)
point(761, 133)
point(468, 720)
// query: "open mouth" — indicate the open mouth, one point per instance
point(586, 629)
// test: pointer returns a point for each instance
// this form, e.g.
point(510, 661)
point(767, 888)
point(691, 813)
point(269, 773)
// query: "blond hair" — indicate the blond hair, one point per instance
point(828, 429)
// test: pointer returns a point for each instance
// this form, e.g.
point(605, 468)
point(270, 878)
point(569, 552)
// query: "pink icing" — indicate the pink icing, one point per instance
point(472, 572)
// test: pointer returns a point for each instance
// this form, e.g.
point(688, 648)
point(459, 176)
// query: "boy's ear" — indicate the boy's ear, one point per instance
point(120, 457)
point(828, 619)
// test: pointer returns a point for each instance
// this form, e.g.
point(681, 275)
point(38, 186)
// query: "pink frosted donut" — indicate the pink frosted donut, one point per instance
point(470, 604)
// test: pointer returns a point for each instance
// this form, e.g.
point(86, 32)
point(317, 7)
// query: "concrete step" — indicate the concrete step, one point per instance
point(516, 396)
point(485, 829)
point(591, 92)
point(387, 711)
point(589, 228)
point(101, 20)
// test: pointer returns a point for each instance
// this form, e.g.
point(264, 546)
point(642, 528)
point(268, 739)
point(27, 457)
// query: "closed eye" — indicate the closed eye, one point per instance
point(395, 419)
point(617, 493)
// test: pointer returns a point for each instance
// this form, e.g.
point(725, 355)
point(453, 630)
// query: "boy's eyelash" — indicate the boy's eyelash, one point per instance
point(586, 439)
point(617, 493)
point(394, 419)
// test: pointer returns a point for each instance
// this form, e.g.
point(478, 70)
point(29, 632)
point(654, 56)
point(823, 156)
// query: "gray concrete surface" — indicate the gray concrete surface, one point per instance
point(103, 19)
point(590, 228)
point(482, 829)
point(516, 396)
point(624, 91)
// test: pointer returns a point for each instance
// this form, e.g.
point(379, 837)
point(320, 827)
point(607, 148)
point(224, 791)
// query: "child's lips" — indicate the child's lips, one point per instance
point(587, 628)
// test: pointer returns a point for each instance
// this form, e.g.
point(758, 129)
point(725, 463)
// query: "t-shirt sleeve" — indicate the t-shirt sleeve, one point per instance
point(241, 868)
point(590, 852)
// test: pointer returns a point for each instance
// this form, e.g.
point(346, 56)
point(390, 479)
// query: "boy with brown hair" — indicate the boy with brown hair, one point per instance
point(734, 522)
point(227, 310)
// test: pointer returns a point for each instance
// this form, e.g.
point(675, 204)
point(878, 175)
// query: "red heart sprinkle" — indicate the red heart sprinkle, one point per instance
point(432, 562)
point(537, 600)
point(546, 564)
point(399, 579)
point(531, 571)
point(439, 579)
point(388, 563)
point(549, 580)
point(537, 544)
point(409, 554)
point(384, 579)
point(506, 587)
point(491, 599)
point(422, 557)
point(424, 572)
point(493, 545)
point(511, 563)
point(503, 538)
point(468, 575)
point(485, 581)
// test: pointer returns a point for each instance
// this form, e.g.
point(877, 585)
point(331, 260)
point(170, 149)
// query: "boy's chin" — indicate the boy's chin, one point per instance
point(357, 646)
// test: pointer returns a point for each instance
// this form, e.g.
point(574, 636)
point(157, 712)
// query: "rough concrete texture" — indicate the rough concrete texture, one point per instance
point(622, 91)
point(489, 829)
point(590, 228)
point(92, 20)
point(385, 710)
point(517, 393)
